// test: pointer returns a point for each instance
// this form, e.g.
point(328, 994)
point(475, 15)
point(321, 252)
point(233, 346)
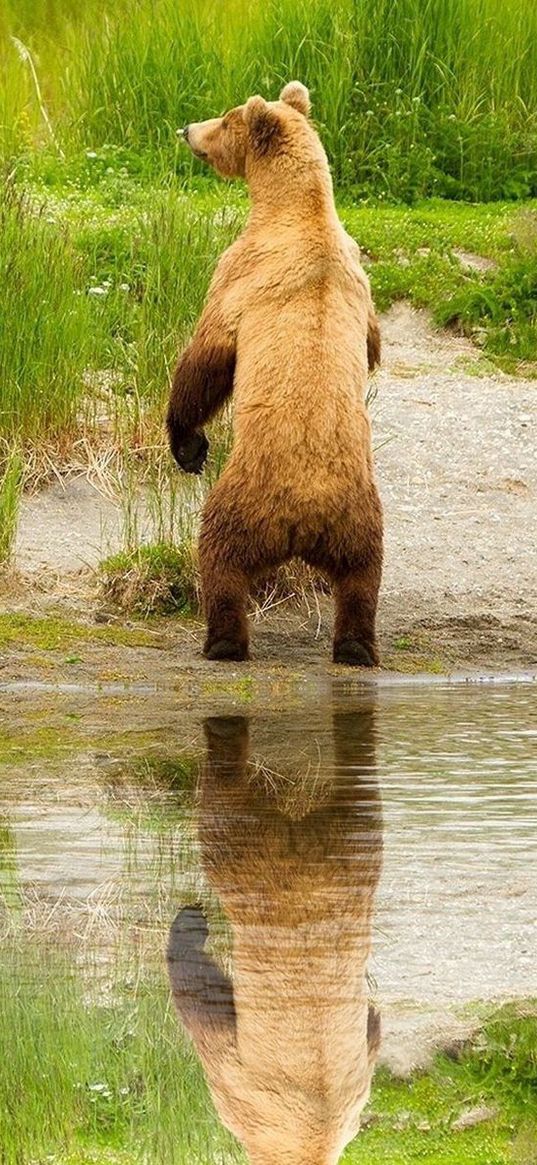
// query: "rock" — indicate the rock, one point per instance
point(369, 1120)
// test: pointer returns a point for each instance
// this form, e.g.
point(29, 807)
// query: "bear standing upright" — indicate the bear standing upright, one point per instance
point(289, 326)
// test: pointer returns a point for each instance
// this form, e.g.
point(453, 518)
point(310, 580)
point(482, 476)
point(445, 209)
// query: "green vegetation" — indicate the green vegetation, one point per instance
point(94, 309)
point(497, 1072)
point(503, 308)
point(419, 255)
point(96, 1074)
point(412, 98)
point(45, 325)
point(85, 369)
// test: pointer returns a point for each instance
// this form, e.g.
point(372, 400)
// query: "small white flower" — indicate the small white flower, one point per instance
point(97, 291)
point(124, 287)
point(91, 154)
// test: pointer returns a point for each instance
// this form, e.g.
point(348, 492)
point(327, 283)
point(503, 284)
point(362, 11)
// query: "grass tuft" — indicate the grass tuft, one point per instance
point(160, 579)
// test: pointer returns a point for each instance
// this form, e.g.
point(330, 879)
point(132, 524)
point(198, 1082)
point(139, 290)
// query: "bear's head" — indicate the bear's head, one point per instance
point(259, 132)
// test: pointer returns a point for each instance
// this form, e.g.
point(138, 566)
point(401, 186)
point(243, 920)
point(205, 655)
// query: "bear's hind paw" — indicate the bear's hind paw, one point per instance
point(355, 654)
point(226, 649)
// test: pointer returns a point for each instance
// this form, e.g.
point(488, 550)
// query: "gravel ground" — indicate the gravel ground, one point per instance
point(456, 465)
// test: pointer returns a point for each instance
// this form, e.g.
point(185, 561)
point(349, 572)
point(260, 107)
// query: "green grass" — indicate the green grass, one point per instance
point(503, 308)
point(110, 230)
point(98, 298)
point(412, 98)
point(100, 292)
point(414, 253)
point(412, 1119)
point(46, 326)
point(94, 311)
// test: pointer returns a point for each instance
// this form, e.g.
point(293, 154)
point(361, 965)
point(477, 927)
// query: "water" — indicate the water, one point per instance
point(338, 880)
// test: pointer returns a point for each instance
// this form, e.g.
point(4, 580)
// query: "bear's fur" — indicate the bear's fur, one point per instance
point(289, 326)
point(292, 846)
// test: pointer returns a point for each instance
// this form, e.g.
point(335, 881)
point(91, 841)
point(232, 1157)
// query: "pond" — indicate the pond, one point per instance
point(226, 923)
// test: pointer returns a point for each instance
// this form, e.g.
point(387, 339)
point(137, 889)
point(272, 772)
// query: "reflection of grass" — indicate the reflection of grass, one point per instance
point(101, 1081)
point(153, 793)
point(10, 892)
point(412, 1119)
point(98, 1071)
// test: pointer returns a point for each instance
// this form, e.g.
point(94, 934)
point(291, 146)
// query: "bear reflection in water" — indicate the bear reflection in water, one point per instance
point(290, 831)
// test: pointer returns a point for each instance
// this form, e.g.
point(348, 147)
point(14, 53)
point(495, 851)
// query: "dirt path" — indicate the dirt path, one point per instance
point(458, 475)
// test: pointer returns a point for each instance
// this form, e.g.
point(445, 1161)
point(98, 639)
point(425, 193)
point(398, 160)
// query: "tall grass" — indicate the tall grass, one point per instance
point(11, 471)
point(92, 319)
point(45, 325)
point(413, 96)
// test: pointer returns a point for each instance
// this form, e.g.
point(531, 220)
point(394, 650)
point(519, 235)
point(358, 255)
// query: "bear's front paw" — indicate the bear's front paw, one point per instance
point(191, 452)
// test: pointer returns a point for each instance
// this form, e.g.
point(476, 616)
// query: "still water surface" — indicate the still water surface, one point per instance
point(310, 881)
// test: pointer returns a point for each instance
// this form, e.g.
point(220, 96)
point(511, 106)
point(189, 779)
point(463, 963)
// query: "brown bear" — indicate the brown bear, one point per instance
point(291, 842)
point(289, 326)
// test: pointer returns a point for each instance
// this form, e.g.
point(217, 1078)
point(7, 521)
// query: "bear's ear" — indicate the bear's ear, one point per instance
point(297, 95)
point(262, 124)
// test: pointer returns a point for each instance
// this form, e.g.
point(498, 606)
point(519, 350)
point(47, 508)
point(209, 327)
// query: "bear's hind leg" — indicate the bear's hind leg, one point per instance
point(225, 591)
point(225, 557)
point(356, 595)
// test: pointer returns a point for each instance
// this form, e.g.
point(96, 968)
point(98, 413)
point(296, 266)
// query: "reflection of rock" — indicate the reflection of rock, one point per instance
point(473, 262)
point(474, 1116)
point(293, 851)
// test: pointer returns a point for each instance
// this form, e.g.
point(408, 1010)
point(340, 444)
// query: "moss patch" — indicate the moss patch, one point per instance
point(52, 633)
